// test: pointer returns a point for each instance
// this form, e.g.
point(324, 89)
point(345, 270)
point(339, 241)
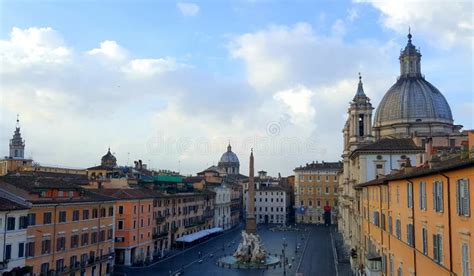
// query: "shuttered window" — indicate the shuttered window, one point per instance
point(465, 260)
point(398, 229)
point(462, 197)
point(410, 240)
point(438, 248)
point(409, 195)
point(424, 236)
point(423, 195)
point(438, 196)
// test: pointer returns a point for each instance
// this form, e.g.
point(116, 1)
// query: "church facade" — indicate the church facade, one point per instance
point(412, 119)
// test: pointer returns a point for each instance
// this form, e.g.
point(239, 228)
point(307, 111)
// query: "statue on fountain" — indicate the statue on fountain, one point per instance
point(251, 249)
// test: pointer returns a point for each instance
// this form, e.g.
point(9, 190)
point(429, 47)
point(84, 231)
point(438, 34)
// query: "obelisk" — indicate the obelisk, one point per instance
point(251, 225)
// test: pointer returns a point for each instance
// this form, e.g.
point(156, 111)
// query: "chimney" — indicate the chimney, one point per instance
point(140, 164)
point(428, 149)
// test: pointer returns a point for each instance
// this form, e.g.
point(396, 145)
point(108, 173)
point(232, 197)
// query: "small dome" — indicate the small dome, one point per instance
point(412, 100)
point(109, 160)
point(229, 156)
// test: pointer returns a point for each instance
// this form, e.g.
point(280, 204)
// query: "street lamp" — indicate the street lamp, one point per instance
point(284, 258)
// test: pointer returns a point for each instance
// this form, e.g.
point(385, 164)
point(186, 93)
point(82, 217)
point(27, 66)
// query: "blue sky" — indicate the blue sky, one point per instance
point(138, 74)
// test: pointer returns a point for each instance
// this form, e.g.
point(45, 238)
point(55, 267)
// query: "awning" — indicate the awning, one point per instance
point(192, 237)
point(198, 235)
point(214, 230)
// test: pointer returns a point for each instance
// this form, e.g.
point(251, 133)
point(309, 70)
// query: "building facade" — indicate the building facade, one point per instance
point(70, 230)
point(419, 222)
point(13, 225)
point(412, 122)
point(222, 207)
point(271, 202)
point(315, 190)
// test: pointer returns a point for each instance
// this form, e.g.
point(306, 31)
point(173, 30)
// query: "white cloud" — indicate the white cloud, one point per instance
point(188, 9)
point(149, 67)
point(32, 46)
point(339, 28)
point(445, 23)
point(109, 49)
point(299, 101)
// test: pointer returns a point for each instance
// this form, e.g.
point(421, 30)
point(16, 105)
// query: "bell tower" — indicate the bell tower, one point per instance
point(360, 118)
point(17, 144)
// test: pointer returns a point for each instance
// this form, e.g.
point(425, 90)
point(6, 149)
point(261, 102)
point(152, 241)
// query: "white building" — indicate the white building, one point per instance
point(13, 224)
point(272, 201)
point(222, 212)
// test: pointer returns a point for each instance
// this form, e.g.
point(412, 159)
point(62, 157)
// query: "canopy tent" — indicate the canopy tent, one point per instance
point(200, 234)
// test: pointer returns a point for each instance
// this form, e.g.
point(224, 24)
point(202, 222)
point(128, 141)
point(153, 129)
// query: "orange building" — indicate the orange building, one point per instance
point(70, 230)
point(419, 222)
point(134, 224)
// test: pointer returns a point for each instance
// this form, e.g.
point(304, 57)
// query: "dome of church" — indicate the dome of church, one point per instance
point(412, 99)
point(109, 160)
point(229, 156)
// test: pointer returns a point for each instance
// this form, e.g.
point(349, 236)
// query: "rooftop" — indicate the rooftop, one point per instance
point(320, 166)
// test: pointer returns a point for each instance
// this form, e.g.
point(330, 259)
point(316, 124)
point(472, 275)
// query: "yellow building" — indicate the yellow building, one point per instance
point(419, 221)
point(315, 190)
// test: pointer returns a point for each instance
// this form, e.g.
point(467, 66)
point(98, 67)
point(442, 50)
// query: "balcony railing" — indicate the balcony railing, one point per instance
point(160, 235)
point(196, 223)
point(160, 219)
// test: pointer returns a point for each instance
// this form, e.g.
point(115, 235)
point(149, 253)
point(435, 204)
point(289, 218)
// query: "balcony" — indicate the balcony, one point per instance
point(160, 235)
point(160, 219)
point(196, 223)
point(90, 262)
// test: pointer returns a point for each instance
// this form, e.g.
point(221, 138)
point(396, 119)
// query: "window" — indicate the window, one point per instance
point(31, 219)
point(390, 225)
point(110, 234)
point(75, 215)
point(95, 213)
point(30, 249)
point(120, 224)
point(8, 252)
point(45, 268)
point(423, 196)
point(382, 222)
point(465, 259)
point(60, 265)
point(390, 265)
point(61, 244)
point(462, 197)
point(47, 218)
point(438, 196)
point(376, 218)
point(94, 237)
point(102, 236)
point(410, 240)
point(73, 261)
point(102, 212)
point(21, 250)
point(410, 195)
point(120, 210)
point(111, 211)
point(399, 271)
point(398, 194)
point(11, 223)
point(438, 248)
point(424, 236)
point(74, 241)
point(62, 216)
point(398, 229)
point(84, 239)
point(45, 246)
point(85, 214)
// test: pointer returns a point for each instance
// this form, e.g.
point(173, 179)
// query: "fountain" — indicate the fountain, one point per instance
point(250, 253)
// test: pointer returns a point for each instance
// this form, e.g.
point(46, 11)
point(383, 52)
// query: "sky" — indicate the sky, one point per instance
point(172, 83)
